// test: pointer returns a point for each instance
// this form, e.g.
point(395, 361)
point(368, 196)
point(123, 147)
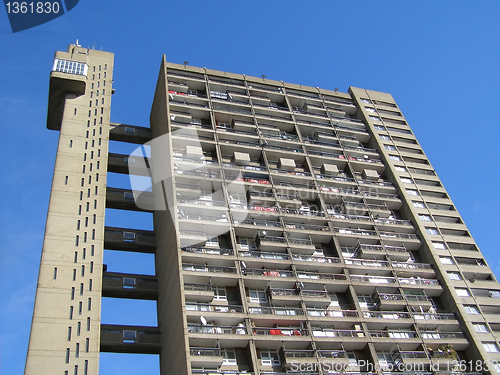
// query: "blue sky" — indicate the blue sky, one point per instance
point(438, 59)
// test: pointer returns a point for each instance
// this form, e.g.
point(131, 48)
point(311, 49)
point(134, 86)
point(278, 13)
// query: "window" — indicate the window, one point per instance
point(461, 292)
point(405, 180)
point(418, 204)
point(374, 118)
point(413, 192)
point(366, 100)
point(389, 147)
point(369, 109)
point(219, 293)
point(212, 241)
point(446, 260)
point(380, 127)
point(129, 236)
point(383, 137)
point(247, 244)
point(432, 231)
point(490, 347)
point(228, 356)
point(365, 301)
point(384, 358)
point(395, 158)
point(129, 336)
point(480, 328)
point(454, 276)
point(71, 67)
point(471, 309)
point(424, 217)
point(439, 245)
point(269, 358)
point(400, 169)
point(257, 296)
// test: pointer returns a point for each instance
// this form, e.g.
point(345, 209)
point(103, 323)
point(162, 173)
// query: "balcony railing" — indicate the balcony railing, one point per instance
point(435, 316)
point(204, 307)
point(265, 255)
point(203, 268)
point(288, 353)
point(393, 221)
point(313, 258)
point(332, 354)
point(201, 202)
point(260, 223)
point(373, 279)
point(433, 335)
point(314, 293)
point(321, 228)
point(327, 332)
point(205, 352)
point(418, 281)
point(386, 315)
point(332, 313)
point(267, 273)
point(227, 330)
point(323, 276)
point(207, 250)
point(275, 310)
point(288, 331)
point(394, 334)
point(198, 287)
point(292, 211)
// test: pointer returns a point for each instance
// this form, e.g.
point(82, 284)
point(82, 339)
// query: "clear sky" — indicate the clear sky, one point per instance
point(439, 59)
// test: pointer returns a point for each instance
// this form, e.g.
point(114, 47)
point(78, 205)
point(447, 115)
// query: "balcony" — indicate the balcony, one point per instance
point(267, 273)
point(207, 250)
point(343, 314)
point(333, 358)
point(340, 334)
point(373, 279)
point(206, 357)
point(265, 255)
point(130, 339)
point(199, 292)
point(411, 358)
point(209, 269)
point(217, 330)
point(282, 332)
point(282, 311)
point(283, 296)
point(391, 335)
point(294, 358)
point(267, 243)
point(316, 259)
point(209, 308)
point(385, 301)
point(379, 252)
point(301, 245)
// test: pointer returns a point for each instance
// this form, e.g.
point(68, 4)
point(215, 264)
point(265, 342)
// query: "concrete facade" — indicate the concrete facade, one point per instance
point(296, 230)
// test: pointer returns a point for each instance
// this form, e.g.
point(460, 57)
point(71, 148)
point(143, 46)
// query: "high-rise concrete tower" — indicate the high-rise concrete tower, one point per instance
point(65, 330)
point(296, 230)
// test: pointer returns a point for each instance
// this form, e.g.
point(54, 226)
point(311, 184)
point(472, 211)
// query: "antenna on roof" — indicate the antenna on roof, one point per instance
point(185, 63)
point(77, 44)
point(263, 76)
